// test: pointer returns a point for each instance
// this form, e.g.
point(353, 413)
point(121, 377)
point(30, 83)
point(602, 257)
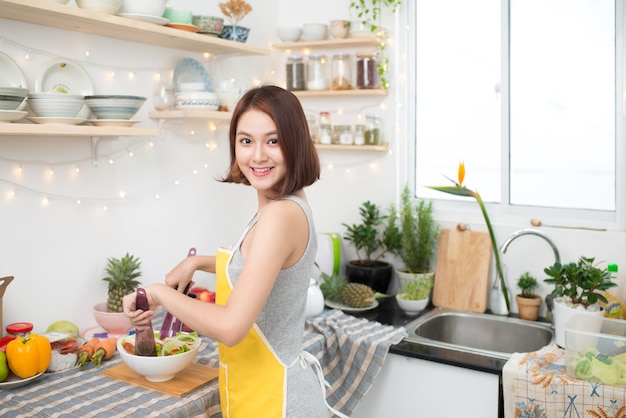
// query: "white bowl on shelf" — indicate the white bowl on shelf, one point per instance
point(197, 100)
point(314, 32)
point(55, 105)
point(143, 7)
point(289, 33)
point(104, 6)
point(114, 106)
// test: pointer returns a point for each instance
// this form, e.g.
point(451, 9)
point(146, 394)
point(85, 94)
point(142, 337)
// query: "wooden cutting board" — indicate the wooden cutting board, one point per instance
point(191, 378)
point(462, 272)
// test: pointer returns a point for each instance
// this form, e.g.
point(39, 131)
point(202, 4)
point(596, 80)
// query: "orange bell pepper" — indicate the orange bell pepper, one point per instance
point(28, 356)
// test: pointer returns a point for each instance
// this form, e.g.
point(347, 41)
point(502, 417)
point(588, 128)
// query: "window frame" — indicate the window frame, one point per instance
point(504, 212)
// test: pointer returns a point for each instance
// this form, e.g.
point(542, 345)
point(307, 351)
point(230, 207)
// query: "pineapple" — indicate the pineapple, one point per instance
point(121, 278)
point(332, 286)
point(357, 295)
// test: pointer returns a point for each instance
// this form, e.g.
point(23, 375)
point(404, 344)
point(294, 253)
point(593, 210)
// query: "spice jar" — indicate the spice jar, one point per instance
point(366, 71)
point(295, 73)
point(342, 135)
point(372, 130)
point(316, 72)
point(359, 134)
point(326, 129)
point(19, 329)
point(341, 72)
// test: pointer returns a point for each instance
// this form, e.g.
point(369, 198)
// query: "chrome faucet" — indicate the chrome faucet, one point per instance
point(540, 234)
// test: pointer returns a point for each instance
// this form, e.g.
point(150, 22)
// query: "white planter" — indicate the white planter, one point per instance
point(411, 307)
point(403, 276)
point(563, 313)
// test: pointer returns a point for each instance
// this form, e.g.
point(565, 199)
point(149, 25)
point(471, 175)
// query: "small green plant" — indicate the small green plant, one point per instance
point(369, 237)
point(415, 239)
point(580, 281)
point(527, 283)
point(416, 289)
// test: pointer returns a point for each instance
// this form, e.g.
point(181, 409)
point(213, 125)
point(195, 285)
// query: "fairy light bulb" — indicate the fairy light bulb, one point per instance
point(111, 161)
point(131, 75)
point(87, 54)
point(131, 154)
point(78, 202)
point(45, 202)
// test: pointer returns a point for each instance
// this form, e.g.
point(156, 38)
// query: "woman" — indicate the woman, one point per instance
point(258, 318)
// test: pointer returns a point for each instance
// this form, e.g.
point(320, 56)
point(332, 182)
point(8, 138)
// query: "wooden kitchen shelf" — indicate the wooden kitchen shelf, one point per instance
point(330, 43)
point(190, 114)
point(24, 129)
point(378, 148)
point(69, 17)
point(340, 93)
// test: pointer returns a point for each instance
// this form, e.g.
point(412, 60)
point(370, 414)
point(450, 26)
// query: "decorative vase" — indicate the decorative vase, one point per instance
point(563, 313)
point(235, 33)
point(497, 303)
point(528, 307)
point(376, 276)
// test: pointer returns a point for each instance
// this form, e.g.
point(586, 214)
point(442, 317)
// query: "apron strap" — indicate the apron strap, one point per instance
point(307, 359)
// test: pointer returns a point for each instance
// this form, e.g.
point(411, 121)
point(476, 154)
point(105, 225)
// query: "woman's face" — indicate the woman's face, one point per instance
point(258, 152)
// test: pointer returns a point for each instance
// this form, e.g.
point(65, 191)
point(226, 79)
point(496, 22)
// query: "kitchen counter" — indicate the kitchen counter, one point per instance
point(350, 349)
point(536, 384)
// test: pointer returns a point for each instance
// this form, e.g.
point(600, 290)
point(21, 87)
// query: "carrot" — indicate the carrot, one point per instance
point(104, 350)
point(86, 351)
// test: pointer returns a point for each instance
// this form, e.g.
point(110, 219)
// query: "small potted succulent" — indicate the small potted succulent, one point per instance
point(414, 294)
point(578, 289)
point(371, 241)
point(235, 11)
point(528, 303)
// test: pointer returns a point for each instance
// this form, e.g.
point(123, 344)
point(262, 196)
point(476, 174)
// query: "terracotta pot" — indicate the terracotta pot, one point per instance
point(528, 307)
point(376, 276)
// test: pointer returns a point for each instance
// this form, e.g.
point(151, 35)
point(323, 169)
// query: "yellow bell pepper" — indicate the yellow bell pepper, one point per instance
point(28, 356)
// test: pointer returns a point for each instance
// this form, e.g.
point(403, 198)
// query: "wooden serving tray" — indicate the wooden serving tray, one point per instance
point(191, 378)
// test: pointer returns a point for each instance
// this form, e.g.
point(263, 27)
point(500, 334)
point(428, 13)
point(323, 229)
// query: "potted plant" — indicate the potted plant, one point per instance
point(414, 294)
point(413, 233)
point(369, 14)
point(122, 280)
point(528, 303)
point(578, 287)
point(371, 242)
point(235, 11)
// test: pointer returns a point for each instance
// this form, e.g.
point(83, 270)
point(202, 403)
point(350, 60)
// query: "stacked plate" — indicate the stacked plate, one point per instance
point(12, 83)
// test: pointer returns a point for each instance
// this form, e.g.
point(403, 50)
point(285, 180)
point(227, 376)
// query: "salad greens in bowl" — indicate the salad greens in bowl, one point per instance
point(174, 354)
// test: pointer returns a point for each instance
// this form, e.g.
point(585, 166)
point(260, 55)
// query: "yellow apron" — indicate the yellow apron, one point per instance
point(251, 377)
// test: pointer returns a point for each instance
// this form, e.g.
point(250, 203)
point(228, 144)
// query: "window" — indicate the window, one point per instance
point(523, 91)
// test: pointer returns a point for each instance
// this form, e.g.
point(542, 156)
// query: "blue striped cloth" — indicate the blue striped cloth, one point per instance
point(351, 351)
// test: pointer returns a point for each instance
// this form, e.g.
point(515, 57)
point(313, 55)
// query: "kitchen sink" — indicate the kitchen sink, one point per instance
point(481, 333)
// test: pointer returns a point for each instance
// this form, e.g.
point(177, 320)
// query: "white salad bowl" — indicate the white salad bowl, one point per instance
point(160, 368)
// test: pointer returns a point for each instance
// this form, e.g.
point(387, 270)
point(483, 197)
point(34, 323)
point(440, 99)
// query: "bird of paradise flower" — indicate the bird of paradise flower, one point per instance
point(460, 190)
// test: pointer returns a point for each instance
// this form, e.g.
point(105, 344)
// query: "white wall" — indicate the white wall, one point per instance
point(58, 253)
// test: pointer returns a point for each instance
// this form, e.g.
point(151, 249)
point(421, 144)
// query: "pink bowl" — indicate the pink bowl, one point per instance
point(115, 324)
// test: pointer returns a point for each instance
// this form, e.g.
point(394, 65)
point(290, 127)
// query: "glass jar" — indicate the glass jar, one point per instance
point(342, 78)
point(326, 128)
point(316, 72)
point(359, 134)
point(295, 73)
point(367, 71)
point(373, 134)
point(19, 329)
point(314, 130)
point(342, 135)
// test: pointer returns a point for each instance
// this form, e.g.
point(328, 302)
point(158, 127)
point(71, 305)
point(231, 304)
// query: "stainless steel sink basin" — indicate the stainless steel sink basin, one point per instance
point(484, 334)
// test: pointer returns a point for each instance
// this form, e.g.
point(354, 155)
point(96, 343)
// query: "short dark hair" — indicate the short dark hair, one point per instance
point(294, 138)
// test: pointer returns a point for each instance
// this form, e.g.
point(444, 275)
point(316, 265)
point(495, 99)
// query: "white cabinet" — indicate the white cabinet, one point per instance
point(411, 387)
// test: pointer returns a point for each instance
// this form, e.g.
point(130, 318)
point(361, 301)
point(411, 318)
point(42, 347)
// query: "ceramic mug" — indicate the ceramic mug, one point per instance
point(182, 16)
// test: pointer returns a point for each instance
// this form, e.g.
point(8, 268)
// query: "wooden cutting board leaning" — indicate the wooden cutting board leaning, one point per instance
point(462, 272)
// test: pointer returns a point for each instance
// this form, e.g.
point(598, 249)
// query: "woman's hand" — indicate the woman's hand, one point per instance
point(180, 276)
point(138, 318)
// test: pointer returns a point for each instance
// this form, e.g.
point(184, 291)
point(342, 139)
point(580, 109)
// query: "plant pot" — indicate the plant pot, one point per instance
point(563, 313)
point(377, 276)
point(235, 33)
point(411, 307)
point(528, 307)
point(404, 276)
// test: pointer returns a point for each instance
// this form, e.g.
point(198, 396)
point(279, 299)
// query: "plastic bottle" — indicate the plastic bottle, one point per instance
point(326, 128)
